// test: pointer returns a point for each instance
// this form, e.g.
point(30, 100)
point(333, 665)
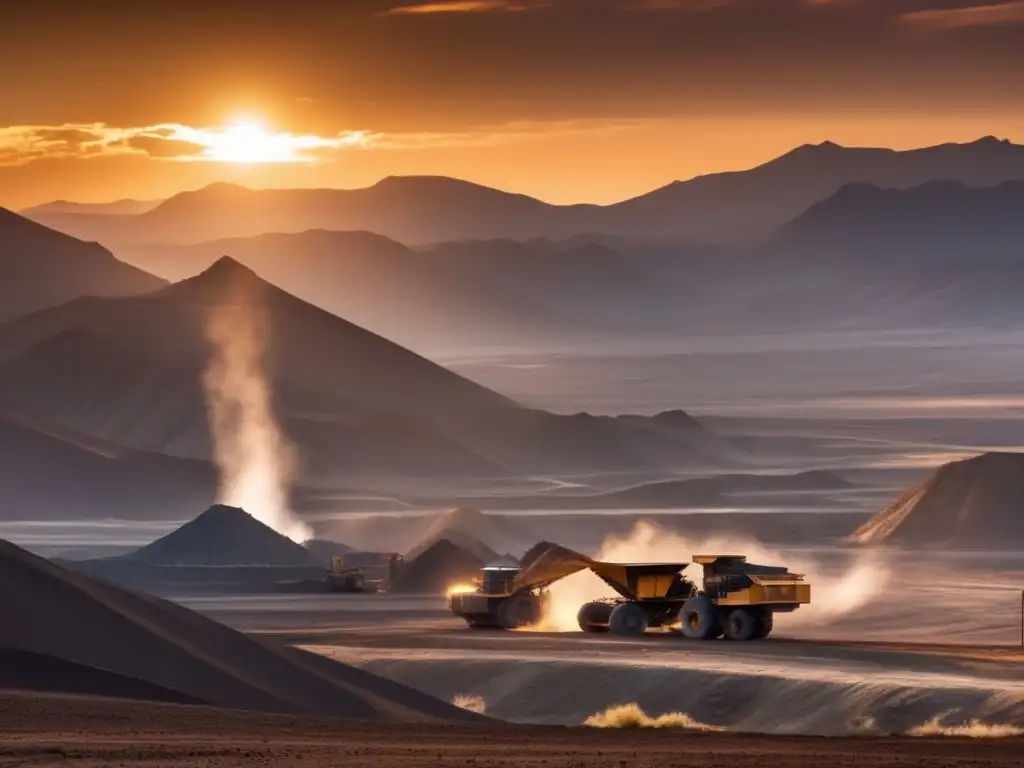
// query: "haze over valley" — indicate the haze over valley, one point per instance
point(519, 383)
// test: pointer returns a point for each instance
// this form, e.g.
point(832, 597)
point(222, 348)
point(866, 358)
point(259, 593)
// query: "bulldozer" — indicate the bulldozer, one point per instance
point(737, 600)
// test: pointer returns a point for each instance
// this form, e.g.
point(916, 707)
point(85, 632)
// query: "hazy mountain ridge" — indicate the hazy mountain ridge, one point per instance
point(867, 257)
point(735, 206)
point(493, 291)
point(744, 205)
point(129, 370)
point(932, 222)
point(114, 207)
point(52, 473)
point(40, 267)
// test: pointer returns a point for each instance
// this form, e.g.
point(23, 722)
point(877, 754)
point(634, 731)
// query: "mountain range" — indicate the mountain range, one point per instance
point(128, 371)
point(940, 254)
point(866, 256)
point(467, 292)
point(117, 207)
point(738, 206)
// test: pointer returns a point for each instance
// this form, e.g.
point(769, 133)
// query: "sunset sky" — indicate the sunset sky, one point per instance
point(567, 100)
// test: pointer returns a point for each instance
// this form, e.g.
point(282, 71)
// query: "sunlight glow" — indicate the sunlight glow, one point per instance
point(249, 141)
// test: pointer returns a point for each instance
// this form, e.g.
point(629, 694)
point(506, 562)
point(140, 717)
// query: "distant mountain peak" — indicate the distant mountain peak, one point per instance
point(814, 149)
point(227, 265)
point(422, 180)
point(991, 141)
point(223, 187)
point(225, 279)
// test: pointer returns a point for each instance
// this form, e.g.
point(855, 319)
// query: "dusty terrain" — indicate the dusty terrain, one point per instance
point(938, 643)
point(43, 730)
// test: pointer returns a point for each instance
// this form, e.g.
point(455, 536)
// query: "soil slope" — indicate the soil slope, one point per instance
point(973, 504)
point(88, 622)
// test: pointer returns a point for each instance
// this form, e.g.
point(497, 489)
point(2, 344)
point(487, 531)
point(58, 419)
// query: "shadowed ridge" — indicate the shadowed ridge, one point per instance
point(90, 622)
point(41, 267)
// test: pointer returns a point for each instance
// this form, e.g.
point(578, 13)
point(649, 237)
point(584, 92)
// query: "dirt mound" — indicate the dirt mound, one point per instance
point(70, 616)
point(27, 671)
point(440, 565)
point(497, 532)
point(223, 535)
point(972, 504)
point(481, 551)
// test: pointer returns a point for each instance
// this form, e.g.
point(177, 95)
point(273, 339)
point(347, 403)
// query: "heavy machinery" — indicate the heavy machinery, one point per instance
point(495, 601)
point(363, 572)
point(342, 579)
point(737, 600)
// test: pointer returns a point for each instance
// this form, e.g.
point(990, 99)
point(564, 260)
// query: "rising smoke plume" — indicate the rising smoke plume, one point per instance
point(255, 461)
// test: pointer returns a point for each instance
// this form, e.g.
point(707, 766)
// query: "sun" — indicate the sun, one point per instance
point(247, 141)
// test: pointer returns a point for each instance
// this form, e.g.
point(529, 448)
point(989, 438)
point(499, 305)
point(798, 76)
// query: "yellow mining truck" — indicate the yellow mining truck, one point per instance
point(494, 602)
point(737, 599)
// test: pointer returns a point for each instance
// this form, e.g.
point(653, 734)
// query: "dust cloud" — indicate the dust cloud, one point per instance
point(255, 461)
point(974, 729)
point(632, 716)
point(834, 594)
point(470, 702)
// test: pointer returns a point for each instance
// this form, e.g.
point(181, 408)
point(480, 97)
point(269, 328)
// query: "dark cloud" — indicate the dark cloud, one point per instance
point(441, 65)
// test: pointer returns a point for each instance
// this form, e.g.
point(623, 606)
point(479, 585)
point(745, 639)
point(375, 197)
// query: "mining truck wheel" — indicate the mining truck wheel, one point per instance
point(628, 619)
point(740, 624)
point(765, 624)
point(699, 619)
point(519, 611)
point(594, 617)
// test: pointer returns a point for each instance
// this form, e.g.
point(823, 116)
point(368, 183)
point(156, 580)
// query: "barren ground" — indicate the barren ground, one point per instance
point(42, 730)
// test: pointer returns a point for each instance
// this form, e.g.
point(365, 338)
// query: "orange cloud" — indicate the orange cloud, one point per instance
point(466, 6)
point(973, 16)
point(675, 5)
point(23, 144)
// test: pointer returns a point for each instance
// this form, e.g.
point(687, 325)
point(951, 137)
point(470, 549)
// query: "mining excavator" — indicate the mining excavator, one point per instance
point(737, 599)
